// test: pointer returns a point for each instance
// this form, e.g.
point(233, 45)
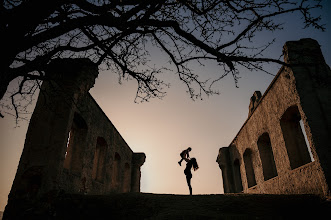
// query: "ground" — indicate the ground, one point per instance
point(162, 206)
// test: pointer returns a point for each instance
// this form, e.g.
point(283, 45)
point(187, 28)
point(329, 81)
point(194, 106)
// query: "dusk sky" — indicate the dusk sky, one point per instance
point(163, 128)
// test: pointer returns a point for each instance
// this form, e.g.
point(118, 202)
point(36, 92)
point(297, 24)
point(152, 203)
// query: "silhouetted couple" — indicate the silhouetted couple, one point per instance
point(190, 163)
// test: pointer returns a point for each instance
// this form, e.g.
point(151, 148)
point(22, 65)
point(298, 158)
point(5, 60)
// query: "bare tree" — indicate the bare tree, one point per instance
point(118, 34)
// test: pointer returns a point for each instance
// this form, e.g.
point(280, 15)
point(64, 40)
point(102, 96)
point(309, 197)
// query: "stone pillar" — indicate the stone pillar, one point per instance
point(224, 164)
point(138, 159)
point(41, 162)
point(312, 80)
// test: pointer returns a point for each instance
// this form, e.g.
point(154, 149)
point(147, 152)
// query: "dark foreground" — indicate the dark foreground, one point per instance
point(158, 206)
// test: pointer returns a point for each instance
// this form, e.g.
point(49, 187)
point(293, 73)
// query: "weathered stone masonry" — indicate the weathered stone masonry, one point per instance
point(270, 154)
point(71, 145)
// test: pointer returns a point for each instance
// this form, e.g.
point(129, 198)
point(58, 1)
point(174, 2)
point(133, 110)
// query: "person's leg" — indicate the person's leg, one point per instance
point(180, 162)
point(188, 179)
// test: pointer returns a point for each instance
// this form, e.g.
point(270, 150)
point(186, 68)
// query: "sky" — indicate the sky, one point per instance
point(163, 128)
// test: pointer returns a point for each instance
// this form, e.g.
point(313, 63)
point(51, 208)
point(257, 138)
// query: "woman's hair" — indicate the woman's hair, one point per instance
point(194, 164)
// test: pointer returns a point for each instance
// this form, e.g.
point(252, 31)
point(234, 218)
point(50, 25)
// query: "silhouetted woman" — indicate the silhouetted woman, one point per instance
point(190, 164)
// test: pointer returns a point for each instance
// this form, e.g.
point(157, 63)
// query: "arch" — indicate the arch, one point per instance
point(267, 156)
point(116, 170)
point(237, 176)
point(117, 157)
point(75, 145)
point(127, 178)
point(251, 181)
point(295, 143)
point(99, 162)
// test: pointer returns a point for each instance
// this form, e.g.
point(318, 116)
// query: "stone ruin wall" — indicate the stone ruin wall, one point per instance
point(105, 161)
point(71, 146)
point(269, 154)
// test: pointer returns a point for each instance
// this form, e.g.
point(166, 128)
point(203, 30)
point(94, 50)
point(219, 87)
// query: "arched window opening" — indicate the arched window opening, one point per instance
point(249, 168)
point(116, 170)
point(306, 140)
point(75, 145)
point(267, 156)
point(127, 178)
point(237, 176)
point(295, 142)
point(99, 162)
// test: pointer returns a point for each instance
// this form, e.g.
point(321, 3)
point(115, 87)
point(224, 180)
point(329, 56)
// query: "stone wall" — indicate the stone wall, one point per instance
point(106, 162)
point(283, 146)
point(71, 146)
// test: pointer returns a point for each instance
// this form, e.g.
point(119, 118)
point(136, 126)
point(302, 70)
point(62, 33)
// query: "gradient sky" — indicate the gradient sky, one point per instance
point(163, 128)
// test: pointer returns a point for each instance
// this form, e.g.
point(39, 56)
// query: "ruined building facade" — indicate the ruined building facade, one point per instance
point(71, 146)
point(284, 145)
